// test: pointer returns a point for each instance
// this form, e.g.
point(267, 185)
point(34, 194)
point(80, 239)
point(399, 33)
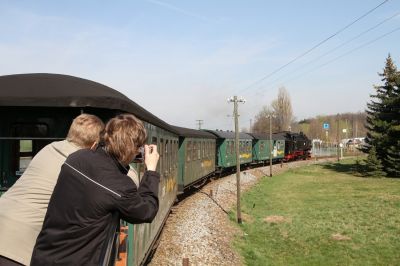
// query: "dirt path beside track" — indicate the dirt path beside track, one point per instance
point(200, 230)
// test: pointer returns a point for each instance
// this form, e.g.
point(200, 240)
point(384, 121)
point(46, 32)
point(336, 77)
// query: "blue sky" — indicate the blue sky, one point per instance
point(181, 60)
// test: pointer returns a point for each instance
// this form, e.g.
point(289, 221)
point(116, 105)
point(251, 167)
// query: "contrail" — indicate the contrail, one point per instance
point(180, 10)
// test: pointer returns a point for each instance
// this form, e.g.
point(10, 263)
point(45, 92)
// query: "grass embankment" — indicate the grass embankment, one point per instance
point(321, 215)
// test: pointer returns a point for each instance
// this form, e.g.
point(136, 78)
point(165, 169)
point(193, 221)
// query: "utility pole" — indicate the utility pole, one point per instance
point(251, 120)
point(270, 145)
point(235, 101)
point(199, 122)
point(356, 129)
point(337, 138)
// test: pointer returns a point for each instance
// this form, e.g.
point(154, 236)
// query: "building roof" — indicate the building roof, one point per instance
point(229, 134)
point(57, 90)
point(194, 133)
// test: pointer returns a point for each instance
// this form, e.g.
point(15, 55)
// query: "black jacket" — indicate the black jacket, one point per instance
point(91, 186)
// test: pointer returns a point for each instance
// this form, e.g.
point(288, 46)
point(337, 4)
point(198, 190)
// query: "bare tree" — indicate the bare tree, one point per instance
point(261, 122)
point(283, 110)
point(354, 123)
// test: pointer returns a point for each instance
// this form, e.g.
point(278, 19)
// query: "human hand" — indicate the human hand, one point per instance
point(151, 157)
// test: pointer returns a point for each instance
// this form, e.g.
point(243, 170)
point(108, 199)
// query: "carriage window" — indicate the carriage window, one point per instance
point(199, 150)
point(161, 147)
point(25, 155)
point(193, 153)
point(162, 167)
point(173, 145)
point(176, 153)
point(25, 149)
point(175, 148)
point(188, 150)
point(193, 156)
point(171, 155)
point(166, 157)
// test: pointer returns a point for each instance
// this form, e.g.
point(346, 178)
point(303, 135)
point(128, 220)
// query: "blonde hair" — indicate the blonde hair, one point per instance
point(123, 135)
point(85, 130)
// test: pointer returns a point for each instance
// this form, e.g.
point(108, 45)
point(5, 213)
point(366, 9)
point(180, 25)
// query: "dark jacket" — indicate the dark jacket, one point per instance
point(91, 186)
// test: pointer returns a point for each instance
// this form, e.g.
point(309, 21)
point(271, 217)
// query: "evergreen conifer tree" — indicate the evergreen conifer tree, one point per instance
point(382, 117)
point(374, 167)
point(392, 161)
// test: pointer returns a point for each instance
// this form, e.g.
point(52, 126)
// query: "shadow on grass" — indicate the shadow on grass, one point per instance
point(347, 168)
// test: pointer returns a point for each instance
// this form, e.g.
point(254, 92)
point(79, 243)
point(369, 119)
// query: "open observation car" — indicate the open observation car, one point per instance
point(36, 109)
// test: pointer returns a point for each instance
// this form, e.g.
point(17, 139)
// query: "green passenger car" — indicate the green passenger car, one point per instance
point(226, 152)
point(142, 236)
point(262, 144)
point(196, 156)
point(36, 109)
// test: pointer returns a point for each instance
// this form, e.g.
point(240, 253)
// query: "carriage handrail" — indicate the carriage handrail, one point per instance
point(109, 250)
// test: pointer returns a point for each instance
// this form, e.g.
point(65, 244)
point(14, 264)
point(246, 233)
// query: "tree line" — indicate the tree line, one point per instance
point(346, 125)
point(341, 126)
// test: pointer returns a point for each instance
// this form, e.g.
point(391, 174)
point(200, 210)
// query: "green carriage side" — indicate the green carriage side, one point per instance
point(196, 156)
point(262, 147)
point(225, 149)
point(36, 109)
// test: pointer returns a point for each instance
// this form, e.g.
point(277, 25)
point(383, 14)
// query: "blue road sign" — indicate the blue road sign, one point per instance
point(326, 126)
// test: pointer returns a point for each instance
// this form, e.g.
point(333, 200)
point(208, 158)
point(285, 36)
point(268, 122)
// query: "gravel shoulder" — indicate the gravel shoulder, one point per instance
point(200, 230)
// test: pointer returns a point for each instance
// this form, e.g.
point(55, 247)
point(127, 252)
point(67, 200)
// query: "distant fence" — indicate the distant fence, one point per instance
point(328, 149)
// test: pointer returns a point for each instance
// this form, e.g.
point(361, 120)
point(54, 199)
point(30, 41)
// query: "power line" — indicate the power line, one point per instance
point(358, 48)
point(337, 47)
point(314, 47)
point(345, 54)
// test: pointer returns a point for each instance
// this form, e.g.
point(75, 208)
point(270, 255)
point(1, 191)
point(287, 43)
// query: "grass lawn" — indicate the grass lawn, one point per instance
point(321, 215)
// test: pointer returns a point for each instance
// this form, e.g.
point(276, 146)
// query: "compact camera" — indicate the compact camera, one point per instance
point(140, 157)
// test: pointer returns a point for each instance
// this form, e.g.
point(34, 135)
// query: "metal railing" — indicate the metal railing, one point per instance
point(109, 251)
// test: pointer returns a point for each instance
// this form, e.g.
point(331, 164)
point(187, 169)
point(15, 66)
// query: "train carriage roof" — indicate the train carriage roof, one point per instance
point(229, 134)
point(57, 90)
point(188, 132)
point(266, 136)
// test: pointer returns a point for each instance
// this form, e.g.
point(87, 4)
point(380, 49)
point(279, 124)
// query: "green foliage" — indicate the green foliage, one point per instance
point(373, 165)
point(383, 122)
point(331, 217)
